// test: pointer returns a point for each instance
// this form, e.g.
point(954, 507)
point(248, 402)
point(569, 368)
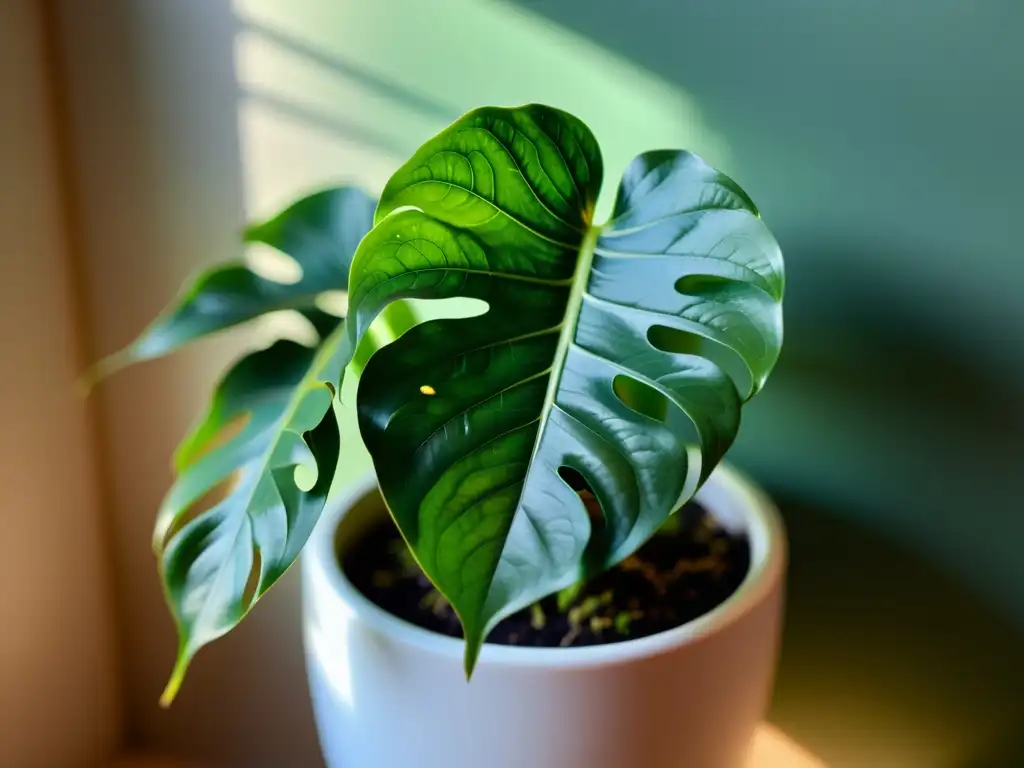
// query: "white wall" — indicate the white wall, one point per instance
point(59, 696)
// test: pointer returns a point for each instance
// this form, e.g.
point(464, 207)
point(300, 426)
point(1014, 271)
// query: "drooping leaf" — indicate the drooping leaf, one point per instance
point(320, 232)
point(279, 459)
point(585, 359)
point(252, 476)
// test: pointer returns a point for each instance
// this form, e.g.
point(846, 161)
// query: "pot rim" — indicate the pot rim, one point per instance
point(759, 516)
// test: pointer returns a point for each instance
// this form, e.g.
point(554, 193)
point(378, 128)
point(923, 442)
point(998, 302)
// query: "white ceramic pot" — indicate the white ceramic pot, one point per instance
point(388, 694)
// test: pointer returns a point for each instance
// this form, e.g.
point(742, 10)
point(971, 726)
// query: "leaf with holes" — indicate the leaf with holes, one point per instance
point(267, 451)
point(319, 232)
point(608, 350)
point(253, 475)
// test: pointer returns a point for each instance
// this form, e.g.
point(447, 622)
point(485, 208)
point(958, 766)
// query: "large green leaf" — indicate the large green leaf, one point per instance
point(253, 475)
point(279, 459)
point(602, 351)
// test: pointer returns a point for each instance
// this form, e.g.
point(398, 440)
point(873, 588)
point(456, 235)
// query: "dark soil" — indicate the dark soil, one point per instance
point(684, 571)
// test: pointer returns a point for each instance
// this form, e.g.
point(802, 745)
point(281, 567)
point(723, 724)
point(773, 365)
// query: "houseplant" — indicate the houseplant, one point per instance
point(524, 454)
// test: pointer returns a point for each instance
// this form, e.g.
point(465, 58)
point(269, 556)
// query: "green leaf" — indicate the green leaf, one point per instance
point(320, 232)
point(253, 475)
point(469, 421)
point(279, 458)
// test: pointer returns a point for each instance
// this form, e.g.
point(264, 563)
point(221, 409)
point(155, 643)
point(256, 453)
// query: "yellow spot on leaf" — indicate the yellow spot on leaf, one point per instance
point(426, 389)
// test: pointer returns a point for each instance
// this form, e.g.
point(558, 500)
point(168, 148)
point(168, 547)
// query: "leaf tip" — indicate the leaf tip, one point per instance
point(86, 383)
point(474, 641)
point(177, 678)
point(97, 372)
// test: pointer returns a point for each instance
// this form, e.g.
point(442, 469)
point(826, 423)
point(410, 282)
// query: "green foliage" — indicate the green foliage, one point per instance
point(319, 232)
point(604, 350)
point(497, 207)
point(253, 475)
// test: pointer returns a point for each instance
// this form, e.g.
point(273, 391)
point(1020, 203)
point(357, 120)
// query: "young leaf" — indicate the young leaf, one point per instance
point(320, 232)
point(216, 564)
point(267, 449)
point(468, 421)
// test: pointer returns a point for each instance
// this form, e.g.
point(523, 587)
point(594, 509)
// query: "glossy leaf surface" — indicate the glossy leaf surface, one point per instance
point(470, 420)
point(278, 460)
point(252, 477)
point(320, 233)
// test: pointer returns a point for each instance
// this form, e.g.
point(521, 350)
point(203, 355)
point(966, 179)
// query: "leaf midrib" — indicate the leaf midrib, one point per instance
point(260, 469)
point(580, 280)
point(574, 305)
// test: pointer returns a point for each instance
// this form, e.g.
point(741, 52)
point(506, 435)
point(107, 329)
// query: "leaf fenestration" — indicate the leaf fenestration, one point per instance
point(497, 207)
point(320, 232)
point(267, 448)
point(600, 356)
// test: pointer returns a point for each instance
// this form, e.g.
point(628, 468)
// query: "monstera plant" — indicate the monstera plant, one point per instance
point(604, 349)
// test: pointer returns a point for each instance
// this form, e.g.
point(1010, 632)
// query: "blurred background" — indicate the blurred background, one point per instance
point(881, 140)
